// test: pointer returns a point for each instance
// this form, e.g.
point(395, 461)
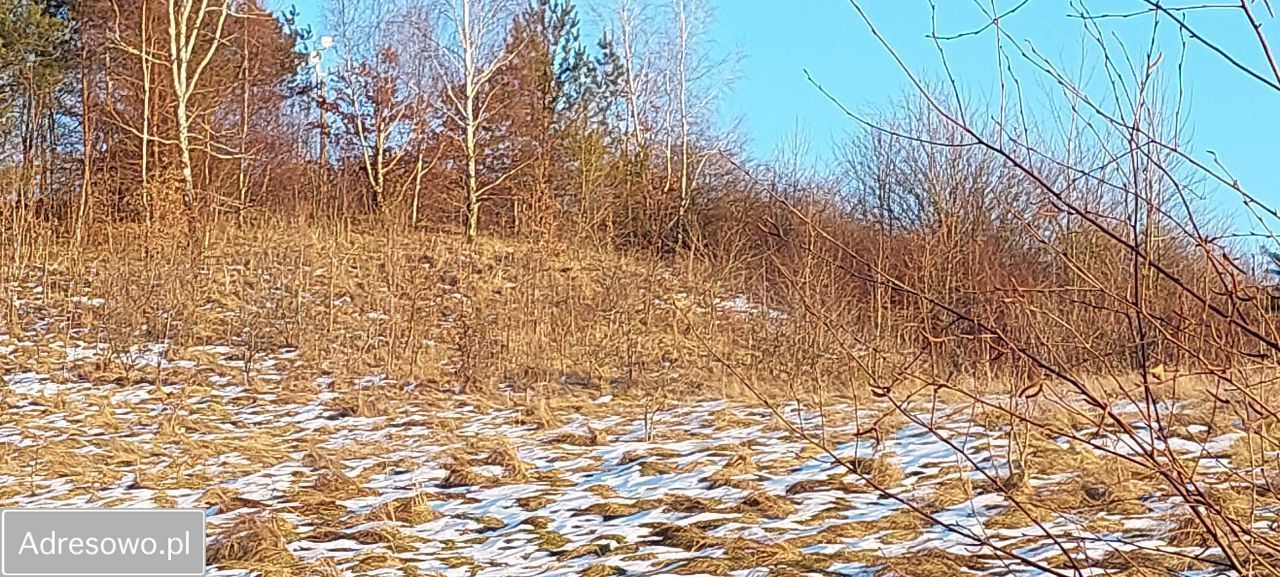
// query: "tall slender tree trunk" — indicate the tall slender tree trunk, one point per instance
point(188, 178)
point(186, 20)
point(242, 176)
point(143, 51)
point(686, 197)
point(86, 146)
point(473, 181)
point(469, 117)
point(417, 190)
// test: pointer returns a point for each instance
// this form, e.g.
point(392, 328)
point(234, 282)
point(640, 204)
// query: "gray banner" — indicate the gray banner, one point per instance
point(101, 542)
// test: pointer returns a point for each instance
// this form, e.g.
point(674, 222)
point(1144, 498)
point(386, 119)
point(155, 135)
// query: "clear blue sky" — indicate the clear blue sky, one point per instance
point(778, 40)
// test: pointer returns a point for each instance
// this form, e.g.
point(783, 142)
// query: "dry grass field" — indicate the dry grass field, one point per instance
point(554, 287)
point(367, 403)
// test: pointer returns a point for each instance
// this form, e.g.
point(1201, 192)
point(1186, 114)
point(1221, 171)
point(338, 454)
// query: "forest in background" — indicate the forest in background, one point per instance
point(504, 118)
point(479, 201)
point(494, 116)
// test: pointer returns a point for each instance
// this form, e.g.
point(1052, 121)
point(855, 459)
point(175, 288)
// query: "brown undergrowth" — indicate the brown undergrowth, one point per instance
point(383, 323)
point(524, 319)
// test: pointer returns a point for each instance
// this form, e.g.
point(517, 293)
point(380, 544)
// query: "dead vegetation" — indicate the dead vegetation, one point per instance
point(256, 542)
point(1043, 304)
point(414, 307)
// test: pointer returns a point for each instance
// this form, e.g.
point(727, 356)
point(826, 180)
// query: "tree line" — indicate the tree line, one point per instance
point(513, 117)
point(491, 115)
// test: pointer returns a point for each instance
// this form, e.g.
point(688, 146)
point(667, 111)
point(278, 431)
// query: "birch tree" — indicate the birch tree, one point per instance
point(693, 89)
point(147, 58)
point(188, 59)
point(637, 63)
point(671, 80)
point(378, 93)
point(472, 53)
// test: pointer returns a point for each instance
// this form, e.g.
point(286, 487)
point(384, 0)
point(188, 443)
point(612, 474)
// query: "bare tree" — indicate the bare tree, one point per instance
point(147, 57)
point(378, 92)
point(472, 53)
point(672, 80)
point(189, 56)
point(637, 65)
point(699, 77)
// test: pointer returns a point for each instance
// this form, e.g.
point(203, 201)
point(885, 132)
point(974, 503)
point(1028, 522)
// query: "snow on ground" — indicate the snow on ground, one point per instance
point(301, 477)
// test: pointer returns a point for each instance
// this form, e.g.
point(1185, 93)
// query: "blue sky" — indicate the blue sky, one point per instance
point(778, 40)
point(1230, 114)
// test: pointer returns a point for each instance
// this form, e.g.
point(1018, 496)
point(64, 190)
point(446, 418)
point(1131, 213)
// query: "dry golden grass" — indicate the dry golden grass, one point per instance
point(413, 510)
point(766, 505)
point(684, 537)
point(544, 322)
point(603, 570)
point(503, 454)
point(462, 475)
point(381, 321)
point(256, 542)
point(548, 322)
point(613, 510)
point(937, 564)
